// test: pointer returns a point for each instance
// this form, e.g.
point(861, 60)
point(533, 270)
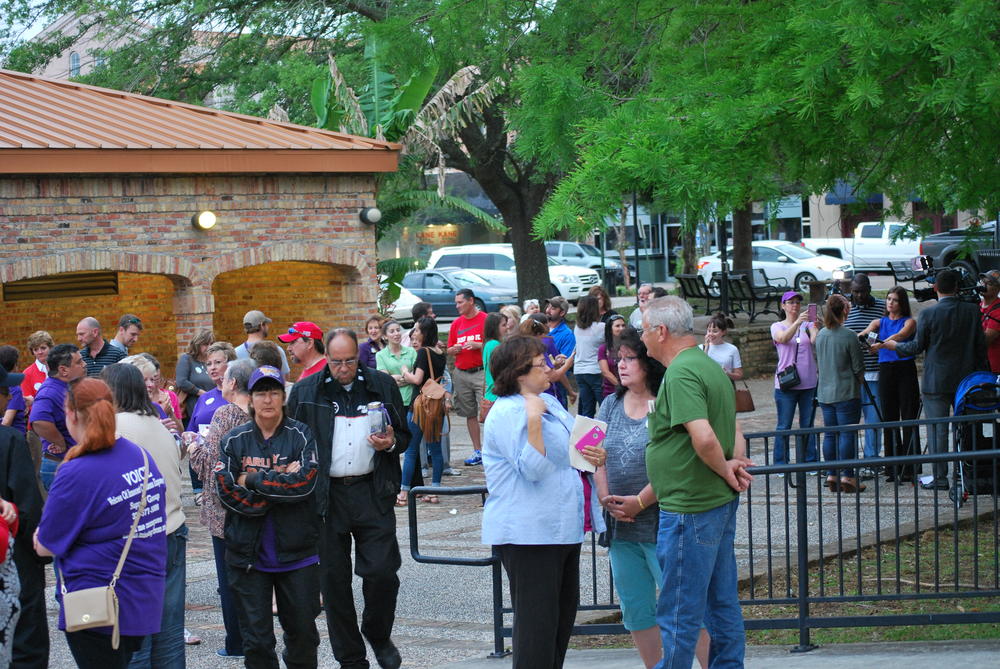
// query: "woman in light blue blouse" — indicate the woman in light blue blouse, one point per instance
point(539, 507)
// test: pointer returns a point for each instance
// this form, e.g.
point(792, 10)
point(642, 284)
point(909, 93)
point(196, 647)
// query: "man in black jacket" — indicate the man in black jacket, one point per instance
point(356, 490)
point(18, 484)
point(950, 335)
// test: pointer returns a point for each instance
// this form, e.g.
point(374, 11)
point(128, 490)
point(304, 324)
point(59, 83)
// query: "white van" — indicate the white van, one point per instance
point(566, 280)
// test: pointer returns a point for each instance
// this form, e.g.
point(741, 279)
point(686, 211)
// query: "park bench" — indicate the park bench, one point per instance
point(753, 297)
point(693, 287)
point(903, 271)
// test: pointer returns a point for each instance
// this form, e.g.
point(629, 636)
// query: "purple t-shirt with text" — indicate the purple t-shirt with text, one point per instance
point(50, 405)
point(86, 520)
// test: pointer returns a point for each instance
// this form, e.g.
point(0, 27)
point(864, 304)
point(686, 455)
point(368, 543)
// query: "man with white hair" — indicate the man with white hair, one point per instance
point(697, 467)
point(643, 294)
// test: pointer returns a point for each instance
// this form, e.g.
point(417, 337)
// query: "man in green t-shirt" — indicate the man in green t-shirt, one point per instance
point(697, 467)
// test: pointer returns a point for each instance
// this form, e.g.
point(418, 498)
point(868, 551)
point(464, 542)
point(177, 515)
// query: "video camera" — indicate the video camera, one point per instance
point(969, 288)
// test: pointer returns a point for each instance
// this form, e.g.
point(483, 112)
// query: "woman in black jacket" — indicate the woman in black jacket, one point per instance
point(266, 479)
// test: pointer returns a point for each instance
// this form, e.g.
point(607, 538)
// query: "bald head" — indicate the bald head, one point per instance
point(88, 331)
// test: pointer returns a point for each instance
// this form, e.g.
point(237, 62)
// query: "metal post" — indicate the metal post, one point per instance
point(635, 249)
point(724, 281)
point(802, 537)
point(498, 649)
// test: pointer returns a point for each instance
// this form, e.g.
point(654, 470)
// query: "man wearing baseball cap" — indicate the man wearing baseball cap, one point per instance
point(256, 325)
point(305, 345)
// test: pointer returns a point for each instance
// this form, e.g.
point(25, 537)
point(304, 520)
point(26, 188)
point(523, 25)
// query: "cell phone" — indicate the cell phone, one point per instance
point(811, 313)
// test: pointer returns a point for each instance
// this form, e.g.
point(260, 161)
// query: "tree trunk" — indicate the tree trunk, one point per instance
point(689, 252)
point(621, 245)
point(742, 236)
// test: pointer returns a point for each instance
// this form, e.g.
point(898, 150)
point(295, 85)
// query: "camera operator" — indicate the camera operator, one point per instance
point(864, 309)
point(951, 335)
point(989, 289)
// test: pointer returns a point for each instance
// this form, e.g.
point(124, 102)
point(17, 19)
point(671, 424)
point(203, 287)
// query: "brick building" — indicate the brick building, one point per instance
point(97, 193)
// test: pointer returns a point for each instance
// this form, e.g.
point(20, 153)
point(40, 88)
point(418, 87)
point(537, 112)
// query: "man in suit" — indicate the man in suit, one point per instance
point(356, 491)
point(951, 337)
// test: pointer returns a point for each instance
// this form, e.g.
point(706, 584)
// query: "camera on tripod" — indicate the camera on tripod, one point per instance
point(969, 289)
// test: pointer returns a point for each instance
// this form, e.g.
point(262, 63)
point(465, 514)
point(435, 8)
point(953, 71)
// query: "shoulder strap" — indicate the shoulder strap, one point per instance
point(135, 521)
point(430, 366)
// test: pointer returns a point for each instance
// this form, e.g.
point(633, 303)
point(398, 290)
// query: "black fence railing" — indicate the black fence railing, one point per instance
point(889, 543)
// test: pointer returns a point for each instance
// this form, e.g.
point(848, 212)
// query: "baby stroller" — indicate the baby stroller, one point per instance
point(978, 393)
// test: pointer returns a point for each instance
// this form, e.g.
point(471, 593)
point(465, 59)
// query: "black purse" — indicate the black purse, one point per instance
point(788, 378)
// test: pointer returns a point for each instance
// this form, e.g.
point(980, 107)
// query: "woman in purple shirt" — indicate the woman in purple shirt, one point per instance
point(794, 337)
point(372, 345)
point(87, 517)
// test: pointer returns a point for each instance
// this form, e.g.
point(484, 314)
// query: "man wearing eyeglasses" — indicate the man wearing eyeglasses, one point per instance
point(305, 345)
point(129, 329)
point(356, 492)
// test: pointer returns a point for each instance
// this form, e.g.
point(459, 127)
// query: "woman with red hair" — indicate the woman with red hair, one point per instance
point(89, 513)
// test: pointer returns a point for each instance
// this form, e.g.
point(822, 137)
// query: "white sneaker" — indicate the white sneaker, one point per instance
point(191, 639)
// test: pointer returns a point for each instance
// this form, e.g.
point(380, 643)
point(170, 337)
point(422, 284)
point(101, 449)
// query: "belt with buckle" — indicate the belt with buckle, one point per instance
point(350, 480)
point(471, 370)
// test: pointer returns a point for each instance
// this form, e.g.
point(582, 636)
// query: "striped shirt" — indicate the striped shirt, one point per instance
point(106, 356)
point(857, 320)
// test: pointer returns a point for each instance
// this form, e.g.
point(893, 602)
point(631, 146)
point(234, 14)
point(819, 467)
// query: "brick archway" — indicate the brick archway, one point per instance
point(180, 270)
point(362, 265)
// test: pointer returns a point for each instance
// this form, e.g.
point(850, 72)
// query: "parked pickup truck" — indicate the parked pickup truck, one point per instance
point(871, 248)
point(960, 248)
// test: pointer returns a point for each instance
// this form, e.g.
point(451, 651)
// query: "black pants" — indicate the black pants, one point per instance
point(545, 593)
point(354, 516)
point(92, 650)
point(31, 636)
point(297, 592)
point(899, 395)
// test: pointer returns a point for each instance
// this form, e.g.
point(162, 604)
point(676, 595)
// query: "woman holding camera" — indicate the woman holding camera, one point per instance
point(841, 365)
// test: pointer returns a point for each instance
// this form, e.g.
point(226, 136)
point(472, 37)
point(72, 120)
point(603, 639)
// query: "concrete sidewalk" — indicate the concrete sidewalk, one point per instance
point(974, 654)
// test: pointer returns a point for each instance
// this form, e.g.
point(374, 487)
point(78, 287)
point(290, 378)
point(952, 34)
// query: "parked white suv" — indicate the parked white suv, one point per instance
point(566, 280)
point(585, 255)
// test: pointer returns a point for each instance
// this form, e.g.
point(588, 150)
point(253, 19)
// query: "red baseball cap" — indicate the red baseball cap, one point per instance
point(302, 329)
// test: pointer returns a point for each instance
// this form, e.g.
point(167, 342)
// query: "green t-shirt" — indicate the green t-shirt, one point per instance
point(694, 387)
point(386, 362)
point(487, 353)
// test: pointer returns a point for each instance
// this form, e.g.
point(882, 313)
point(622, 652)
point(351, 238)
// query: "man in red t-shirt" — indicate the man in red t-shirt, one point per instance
point(990, 306)
point(465, 342)
point(305, 346)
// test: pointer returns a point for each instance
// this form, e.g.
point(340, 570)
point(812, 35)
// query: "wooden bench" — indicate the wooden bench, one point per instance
point(693, 287)
point(747, 297)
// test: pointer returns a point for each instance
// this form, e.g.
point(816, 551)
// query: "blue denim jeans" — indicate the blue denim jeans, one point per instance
point(786, 402)
point(230, 610)
point(47, 472)
point(165, 649)
point(870, 410)
point(696, 554)
point(590, 394)
point(841, 445)
point(412, 455)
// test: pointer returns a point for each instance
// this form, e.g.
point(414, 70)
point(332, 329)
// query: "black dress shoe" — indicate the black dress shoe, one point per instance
point(387, 656)
point(935, 485)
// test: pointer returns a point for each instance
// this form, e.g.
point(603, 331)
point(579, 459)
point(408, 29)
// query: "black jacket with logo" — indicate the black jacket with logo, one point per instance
point(288, 499)
point(312, 402)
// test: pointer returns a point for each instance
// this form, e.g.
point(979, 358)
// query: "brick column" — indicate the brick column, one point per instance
point(194, 309)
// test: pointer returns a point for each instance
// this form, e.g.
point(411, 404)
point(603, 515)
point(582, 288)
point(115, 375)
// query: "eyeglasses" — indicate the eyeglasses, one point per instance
point(541, 365)
point(349, 362)
point(133, 321)
point(628, 359)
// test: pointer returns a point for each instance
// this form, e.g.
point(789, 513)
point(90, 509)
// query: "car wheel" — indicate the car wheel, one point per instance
point(966, 270)
point(553, 291)
point(802, 282)
point(480, 304)
point(713, 288)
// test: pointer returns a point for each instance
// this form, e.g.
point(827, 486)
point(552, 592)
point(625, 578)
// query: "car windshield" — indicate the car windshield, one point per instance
point(797, 252)
point(590, 250)
point(553, 261)
point(469, 279)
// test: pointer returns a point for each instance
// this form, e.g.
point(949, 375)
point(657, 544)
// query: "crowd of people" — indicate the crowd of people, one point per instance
point(296, 482)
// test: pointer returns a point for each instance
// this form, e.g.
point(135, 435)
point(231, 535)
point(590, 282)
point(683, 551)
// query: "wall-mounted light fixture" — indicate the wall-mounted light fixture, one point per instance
point(203, 220)
point(370, 215)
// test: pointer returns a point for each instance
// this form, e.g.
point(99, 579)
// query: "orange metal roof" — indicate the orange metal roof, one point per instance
point(49, 126)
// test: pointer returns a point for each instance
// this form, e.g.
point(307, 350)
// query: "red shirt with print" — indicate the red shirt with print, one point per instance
point(467, 330)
